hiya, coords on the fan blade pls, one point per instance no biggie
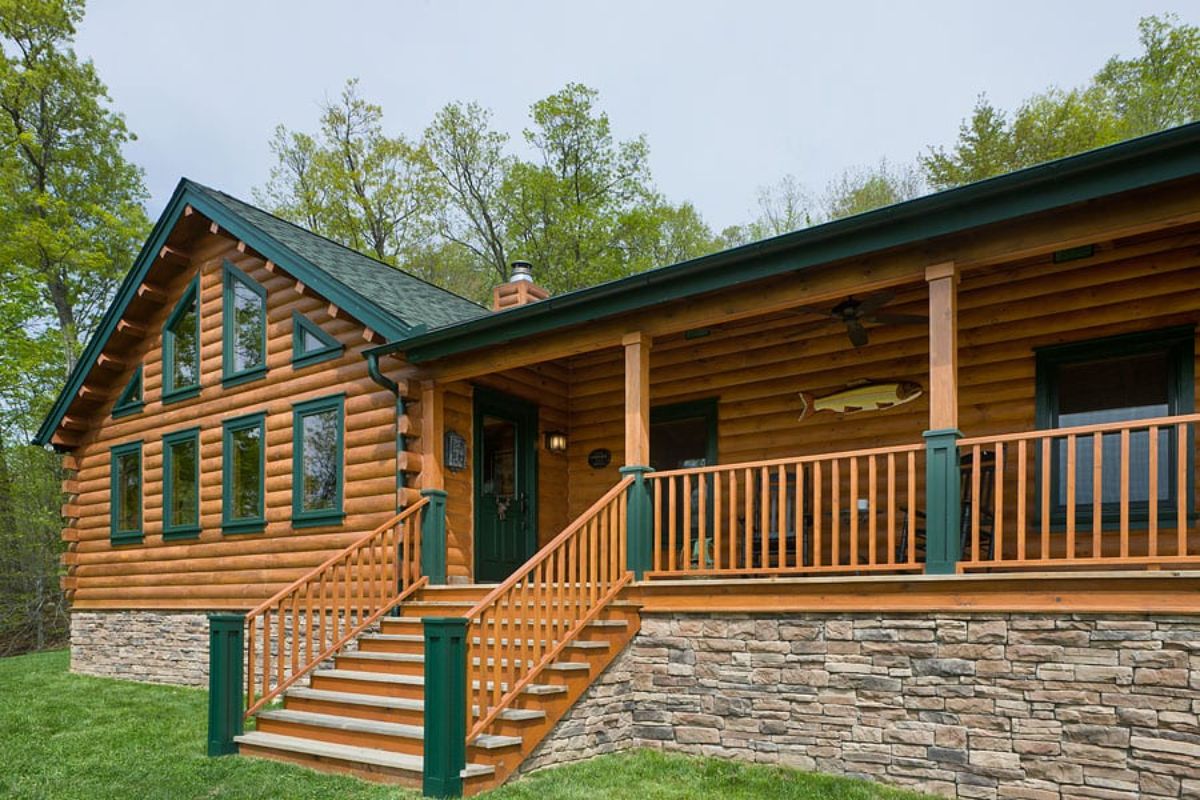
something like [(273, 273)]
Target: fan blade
[(822, 312), (898, 319), (875, 301), (858, 334)]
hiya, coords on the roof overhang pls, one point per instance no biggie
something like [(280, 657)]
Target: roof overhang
[(1135, 164)]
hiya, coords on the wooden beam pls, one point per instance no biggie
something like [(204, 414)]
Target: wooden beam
[(90, 394), (152, 293), (637, 399), (127, 328), (372, 336), (241, 246), (432, 405), (173, 256), (270, 266), (188, 210), (333, 310), (108, 362), (74, 423), (63, 438), (943, 346)]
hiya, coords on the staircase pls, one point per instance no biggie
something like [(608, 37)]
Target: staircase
[(366, 715)]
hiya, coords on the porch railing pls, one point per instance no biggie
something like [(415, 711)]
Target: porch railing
[(848, 512), (522, 625), (308, 621), (1111, 494)]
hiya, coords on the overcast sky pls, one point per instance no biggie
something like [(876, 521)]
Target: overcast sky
[(730, 95)]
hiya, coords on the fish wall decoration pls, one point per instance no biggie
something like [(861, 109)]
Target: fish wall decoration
[(861, 396)]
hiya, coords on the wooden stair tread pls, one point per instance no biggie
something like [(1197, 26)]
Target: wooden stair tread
[(383, 701), (360, 675), (348, 753), (355, 724), (411, 658)]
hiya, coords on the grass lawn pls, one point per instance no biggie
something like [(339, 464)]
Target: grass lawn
[(66, 736)]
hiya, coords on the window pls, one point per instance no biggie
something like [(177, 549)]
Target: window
[(244, 316), (243, 464), (310, 344), (130, 401), (317, 462), (126, 497), (1117, 379), (181, 484), (181, 347), (684, 435)]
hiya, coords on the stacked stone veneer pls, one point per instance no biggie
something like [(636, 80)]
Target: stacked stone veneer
[(152, 646), (973, 706)]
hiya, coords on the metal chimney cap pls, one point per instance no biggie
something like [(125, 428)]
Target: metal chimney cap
[(522, 271)]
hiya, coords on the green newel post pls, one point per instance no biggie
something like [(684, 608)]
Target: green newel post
[(225, 654), (942, 486), (433, 537), (640, 522), (445, 706)]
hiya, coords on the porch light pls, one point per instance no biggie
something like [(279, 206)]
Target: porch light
[(556, 441)]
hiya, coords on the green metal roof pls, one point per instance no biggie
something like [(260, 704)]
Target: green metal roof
[(1129, 165), (392, 302)]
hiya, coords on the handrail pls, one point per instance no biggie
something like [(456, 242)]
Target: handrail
[(544, 605), (1079, 430), (329, 605)]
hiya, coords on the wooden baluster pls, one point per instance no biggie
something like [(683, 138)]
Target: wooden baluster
[(671, 525), (414, 536), (748, 545), (976, 475), (1152, 528), (1047, 468), (891, 509), (1181, 484), (658, 518), (1097, 495), (603, 523), (718, 521), (853, 511), (280, 655), (733, 526), (1125, 493), (594, 563), (686, 502), (1022, 492), (251, 626), (998, 504), (816, 504), (623, 516), (911, 482), (1071, 495), (799, 531), (781, 538), (294, 639), (872, 510), (835, 511), (702, 512), (764, 517)]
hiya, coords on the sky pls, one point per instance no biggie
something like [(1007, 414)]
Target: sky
[(731, 96)]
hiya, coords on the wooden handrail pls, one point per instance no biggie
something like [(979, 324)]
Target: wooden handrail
[(330, 605), (1079, 430), (775, 462), (521, 626)]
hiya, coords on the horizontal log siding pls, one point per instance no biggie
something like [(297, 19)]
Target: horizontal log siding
[(218, 571)]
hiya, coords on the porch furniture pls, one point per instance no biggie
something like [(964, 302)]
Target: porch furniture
[(987, 511)]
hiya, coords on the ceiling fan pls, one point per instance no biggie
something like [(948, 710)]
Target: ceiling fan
[(853, 313)]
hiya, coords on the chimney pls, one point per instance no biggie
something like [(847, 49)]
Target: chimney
[(519, 290)]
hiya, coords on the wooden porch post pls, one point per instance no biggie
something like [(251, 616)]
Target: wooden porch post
[(942, 529), (433, 524), (637, 452)]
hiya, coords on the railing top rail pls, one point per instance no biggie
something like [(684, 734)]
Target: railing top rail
[(1082, 430), (778, 462), (333, 559), (549, 548)]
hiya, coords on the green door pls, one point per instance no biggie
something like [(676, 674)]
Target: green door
[(505, 484)]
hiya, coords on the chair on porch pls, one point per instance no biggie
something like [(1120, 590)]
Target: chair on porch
[(987, 512)]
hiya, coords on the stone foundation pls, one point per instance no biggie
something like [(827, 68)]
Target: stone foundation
[(970, 706), (151, 646)]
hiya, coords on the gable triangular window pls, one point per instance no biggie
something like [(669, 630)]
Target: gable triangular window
[(130, 401), (181, 347), (311, 344)]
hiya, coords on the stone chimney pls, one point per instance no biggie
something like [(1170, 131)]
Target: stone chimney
[(519, 290)]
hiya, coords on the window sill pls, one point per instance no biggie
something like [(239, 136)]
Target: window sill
[(317, 520), (125, 538), (243, 526), (127, 411), (243, 377), (177, 395), (316, 357), (176, 534)]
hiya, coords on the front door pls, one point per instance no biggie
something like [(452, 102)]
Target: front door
[(505, 484)]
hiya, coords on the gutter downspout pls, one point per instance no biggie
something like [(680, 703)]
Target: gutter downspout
[(401, 444)]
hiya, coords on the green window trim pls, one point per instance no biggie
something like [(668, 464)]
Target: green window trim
[(117, 534), (1179, 344), (170, 392), (131, 399), (306, 356), (172, 530), (254, 523), (232, 277), (335, 513)]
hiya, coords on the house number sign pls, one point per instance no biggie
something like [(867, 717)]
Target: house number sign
[(456, 451), (599, 458)]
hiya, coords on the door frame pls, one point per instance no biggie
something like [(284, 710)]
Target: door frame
[(492, 402)]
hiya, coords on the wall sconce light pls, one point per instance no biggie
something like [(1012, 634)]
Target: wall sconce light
[(556, 441)]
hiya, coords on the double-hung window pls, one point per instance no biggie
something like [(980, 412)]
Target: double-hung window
[(1118, 379), (126, 493), (243, 464), (181, 484), (244, 315), (317, 461), (181, 347)]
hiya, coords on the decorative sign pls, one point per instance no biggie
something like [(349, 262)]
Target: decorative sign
[(456, 451), (599, 458)]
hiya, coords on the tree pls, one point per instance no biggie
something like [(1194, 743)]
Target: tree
[(858, 190)]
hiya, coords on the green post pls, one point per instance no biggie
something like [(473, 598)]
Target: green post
[(433, 537), (640, 524), (225, 654), (942, 486), (445, 706)]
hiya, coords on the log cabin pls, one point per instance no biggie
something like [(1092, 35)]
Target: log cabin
[(909, 495)]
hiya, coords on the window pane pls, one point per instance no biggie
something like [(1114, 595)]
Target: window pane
[(499, 457), (246, 481), (679, 444), (184, 480), (321, 460), (247, 328), (309, 342), (129, 491), (185, 366)]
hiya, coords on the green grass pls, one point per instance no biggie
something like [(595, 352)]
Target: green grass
[(69, 736)]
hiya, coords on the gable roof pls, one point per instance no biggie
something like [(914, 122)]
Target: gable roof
[(390, 301), (1134, 164)]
